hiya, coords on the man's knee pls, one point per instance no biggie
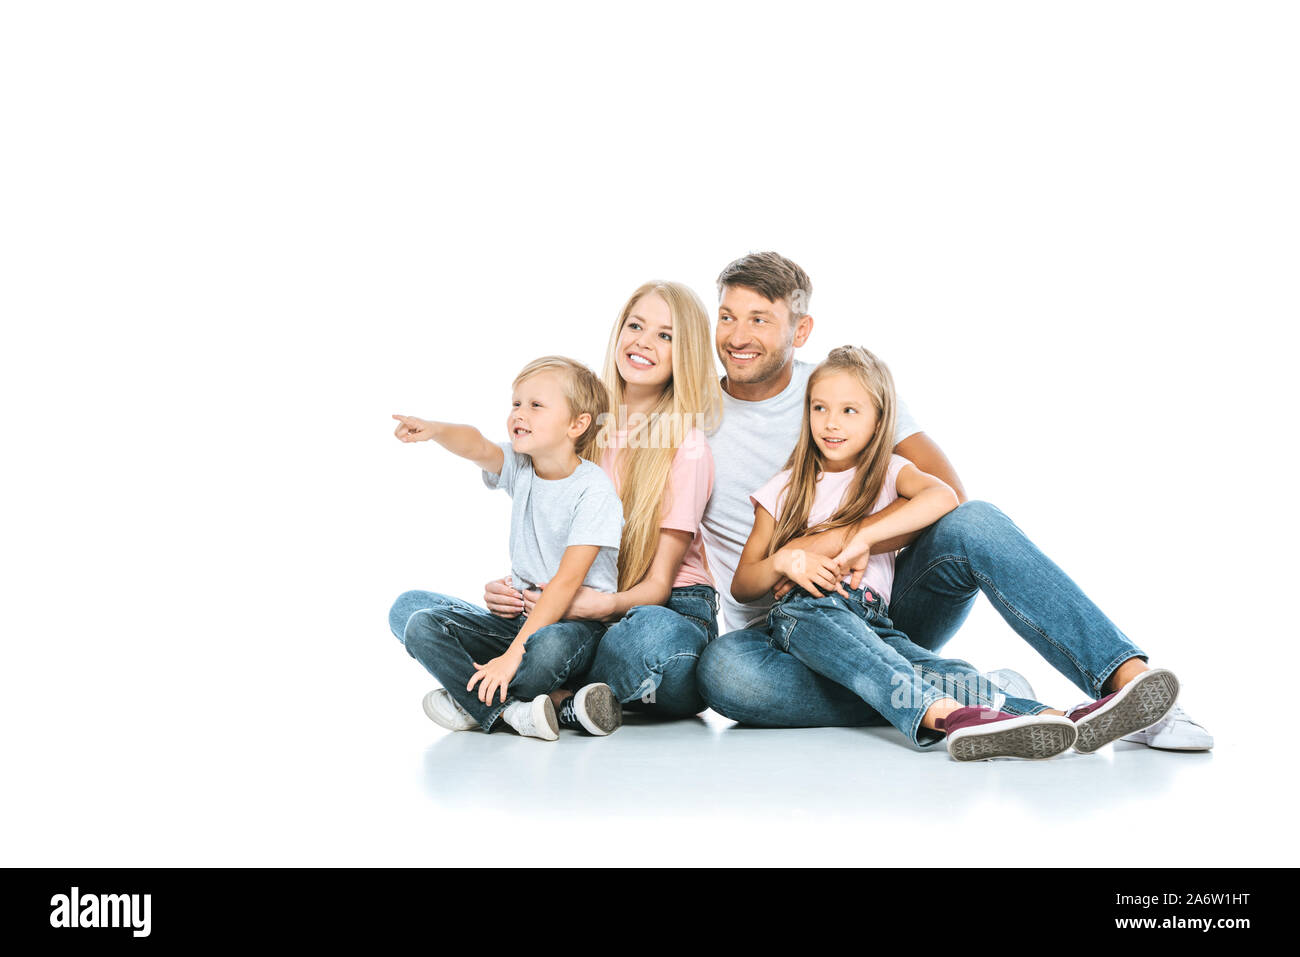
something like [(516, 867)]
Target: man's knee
[(725, 674), (969, 526)]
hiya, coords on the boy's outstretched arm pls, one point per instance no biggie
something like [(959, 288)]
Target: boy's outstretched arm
[(463, 440), (496, 675)]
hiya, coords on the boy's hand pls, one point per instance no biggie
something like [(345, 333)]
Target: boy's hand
[(855, 556), (496, 675), (411, 429), (501, 598), (809, 570)]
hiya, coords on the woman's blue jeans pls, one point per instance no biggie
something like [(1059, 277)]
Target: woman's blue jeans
[(649, 656), (973, 549), (852, 642), (448, 635)]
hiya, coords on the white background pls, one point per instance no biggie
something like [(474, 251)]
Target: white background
[(237, 236)]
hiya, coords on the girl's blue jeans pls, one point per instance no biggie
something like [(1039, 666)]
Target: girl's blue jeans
[(937, 579), (852, 642)]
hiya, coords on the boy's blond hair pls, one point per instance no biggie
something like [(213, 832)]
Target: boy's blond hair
[(584, 392)]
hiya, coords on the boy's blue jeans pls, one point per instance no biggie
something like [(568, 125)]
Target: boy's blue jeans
[(852, 642), (447, 635), (649, 657), (937, 578)]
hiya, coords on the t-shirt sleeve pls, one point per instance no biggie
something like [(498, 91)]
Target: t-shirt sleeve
[(889, 491), (510, 467), (690, 483), (597, 514), (904, 423), (768, 495)]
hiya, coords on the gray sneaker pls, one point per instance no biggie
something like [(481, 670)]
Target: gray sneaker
[(593, 709), (1012, 683)]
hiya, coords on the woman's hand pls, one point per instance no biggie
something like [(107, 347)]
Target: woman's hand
[(588, 604), (809, 570), (501, 598), (411, 429), (496, 675)]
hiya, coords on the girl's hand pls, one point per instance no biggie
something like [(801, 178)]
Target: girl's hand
[(496, 675), (809, 570), (854, 558), (411, 429)]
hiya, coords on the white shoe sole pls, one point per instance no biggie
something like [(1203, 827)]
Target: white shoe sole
[(1138, 705), (597, 710), (433, 714), (1032, 737), (545, 723)]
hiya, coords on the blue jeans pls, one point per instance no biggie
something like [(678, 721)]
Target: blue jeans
[(936, 581), (853, 642), (448, 635), (649, 656)]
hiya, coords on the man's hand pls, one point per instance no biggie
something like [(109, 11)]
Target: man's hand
[(502, 600), (411, 429), (809, 570), (855, 556), (496, 675), (781, 587)]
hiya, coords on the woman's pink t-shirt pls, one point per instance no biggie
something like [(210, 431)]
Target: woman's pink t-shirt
[(831, 487), (690, 483)]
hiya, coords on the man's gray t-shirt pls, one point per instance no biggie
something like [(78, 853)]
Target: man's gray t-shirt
[(549, 515), (751, 445)]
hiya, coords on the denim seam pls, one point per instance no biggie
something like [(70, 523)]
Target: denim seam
[(1002, 599), (1114, 664)]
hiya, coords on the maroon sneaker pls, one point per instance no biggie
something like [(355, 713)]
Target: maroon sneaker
[(1139, 704), (975, 734)]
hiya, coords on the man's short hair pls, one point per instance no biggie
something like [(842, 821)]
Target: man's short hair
[(772, 276)]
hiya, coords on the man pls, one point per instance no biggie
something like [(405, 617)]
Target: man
[(762, 318)]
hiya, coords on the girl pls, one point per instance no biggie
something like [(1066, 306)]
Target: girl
[(664, 396), (841, 471)]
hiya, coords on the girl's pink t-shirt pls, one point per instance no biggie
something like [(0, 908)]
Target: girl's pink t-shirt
[(831, 487), (690, 483)]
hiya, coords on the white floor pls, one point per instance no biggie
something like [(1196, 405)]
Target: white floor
[(348, 776)]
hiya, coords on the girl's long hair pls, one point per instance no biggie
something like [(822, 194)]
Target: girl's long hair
[(807, 461), (692, 398)]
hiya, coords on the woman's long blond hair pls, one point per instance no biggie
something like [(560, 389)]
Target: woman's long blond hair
[(807, 462), (692, 398)]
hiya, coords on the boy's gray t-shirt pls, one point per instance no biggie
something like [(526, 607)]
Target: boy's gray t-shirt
[(547, 516), (751, 445)]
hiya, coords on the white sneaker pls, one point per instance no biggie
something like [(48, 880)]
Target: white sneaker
[(534, 719), (1012, 683), (1176, 732), (442, 709)]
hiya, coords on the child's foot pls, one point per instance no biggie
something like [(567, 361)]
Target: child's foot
[(442, 709), (533, 719), (593, 709), (1139, 704), (976, 734)]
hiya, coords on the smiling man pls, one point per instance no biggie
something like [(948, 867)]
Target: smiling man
[(762, 319)]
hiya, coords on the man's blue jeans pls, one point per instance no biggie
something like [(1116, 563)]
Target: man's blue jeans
[(852, 642), (448, 635), (974, 548), (649, 656)]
